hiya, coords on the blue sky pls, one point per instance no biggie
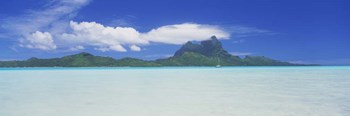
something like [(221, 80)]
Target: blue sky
[(302, 31)]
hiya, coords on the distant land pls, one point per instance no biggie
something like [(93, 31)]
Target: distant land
[(206, 53)]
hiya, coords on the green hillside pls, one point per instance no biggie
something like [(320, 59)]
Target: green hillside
[(206, 53)]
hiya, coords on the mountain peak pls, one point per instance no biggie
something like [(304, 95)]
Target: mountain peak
[(33, 58), (209, 48), (214, 37), (84, 54)]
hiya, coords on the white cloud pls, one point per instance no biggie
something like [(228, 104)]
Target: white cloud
[(181, 33), (102, 37), (39, 40), (105, 38), (135, 48), (117, 48), (53, 18), (48, 18), (53, 23)]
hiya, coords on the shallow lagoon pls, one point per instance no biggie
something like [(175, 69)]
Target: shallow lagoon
[(175, 91)]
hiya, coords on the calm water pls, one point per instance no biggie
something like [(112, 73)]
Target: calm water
[(234, 91)]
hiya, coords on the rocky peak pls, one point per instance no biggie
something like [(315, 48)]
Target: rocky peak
[(213, 42), (209, 48)]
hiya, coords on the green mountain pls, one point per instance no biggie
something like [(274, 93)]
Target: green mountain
[(133, 62), (211, 53), (209, 48), (206, 53), (78, 60)]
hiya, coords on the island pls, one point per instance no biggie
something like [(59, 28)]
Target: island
[(206, 53)]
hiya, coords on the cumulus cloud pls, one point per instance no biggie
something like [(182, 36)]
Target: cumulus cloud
[(102, 37), (38, 40), (106, 38), (181, 33), (117, 48), (135, 48), (50, 27)]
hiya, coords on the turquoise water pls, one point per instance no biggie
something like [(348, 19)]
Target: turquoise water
[(175, 91)]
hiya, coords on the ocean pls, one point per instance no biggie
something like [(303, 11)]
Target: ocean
[(176, 91)]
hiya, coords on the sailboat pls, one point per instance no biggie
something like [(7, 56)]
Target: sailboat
[(218, 65)]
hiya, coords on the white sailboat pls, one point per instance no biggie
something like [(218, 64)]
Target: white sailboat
[(218, 65)]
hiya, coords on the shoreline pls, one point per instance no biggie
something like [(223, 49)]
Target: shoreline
[(164, 67)]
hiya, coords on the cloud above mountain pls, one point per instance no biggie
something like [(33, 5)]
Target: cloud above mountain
[(105, 38), (182, 33), (53, 28)]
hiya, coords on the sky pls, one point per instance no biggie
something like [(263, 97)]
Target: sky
[(297, 31)]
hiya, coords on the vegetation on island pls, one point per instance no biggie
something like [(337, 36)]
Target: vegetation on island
[(206, 53)]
